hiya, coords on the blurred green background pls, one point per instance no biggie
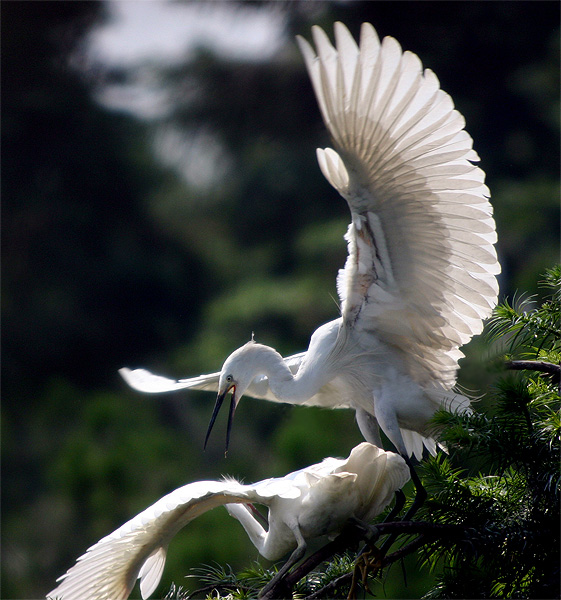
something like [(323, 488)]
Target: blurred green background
[(164, 238)]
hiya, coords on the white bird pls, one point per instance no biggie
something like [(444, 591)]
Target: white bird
[(420, 276), (303, 505)]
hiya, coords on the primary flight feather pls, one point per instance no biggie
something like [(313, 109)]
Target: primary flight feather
[(420, 276)]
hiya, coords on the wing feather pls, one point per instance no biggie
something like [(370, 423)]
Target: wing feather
[(151, 571), (421, 270), (109, 569), (143, 380)]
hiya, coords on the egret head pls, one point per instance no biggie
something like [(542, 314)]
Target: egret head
[(237, 373)]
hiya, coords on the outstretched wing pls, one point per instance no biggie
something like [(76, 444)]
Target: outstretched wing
[(137, 550), (144, 381), (420, 273)]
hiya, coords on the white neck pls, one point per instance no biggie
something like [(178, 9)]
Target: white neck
[(285, 386)]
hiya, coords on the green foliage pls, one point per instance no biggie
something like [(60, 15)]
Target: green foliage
[(222, 583), (526, 330), (217, 579), (510, 506)]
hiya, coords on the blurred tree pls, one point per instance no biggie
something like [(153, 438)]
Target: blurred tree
[(486, 55), (82, 263), (88, 277)]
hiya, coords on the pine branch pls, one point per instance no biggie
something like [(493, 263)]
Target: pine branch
[(536, 365)]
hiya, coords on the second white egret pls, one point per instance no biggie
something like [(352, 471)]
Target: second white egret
[(303, 505)]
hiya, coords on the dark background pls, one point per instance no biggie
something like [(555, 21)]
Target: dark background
[(111, 258)]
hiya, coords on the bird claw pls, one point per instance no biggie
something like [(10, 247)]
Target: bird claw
[(368, 562)]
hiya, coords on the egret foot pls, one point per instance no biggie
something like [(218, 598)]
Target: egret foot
[(369, 562), (282, 583)]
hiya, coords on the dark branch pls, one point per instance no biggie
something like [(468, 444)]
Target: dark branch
[(413, 527), (536, 365), (405, 550), (350, 537)]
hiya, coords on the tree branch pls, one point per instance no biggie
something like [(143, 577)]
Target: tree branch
[(349, 537), (536, 365), (419, 527)]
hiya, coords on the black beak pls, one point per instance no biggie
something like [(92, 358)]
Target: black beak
[(218, 404)]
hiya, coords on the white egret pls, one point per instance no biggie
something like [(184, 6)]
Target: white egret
[(303, 505), (420, 276)]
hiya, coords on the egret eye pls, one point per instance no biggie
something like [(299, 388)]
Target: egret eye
[(229, 379)]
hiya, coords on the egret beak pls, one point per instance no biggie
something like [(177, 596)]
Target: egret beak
[(218, 404)]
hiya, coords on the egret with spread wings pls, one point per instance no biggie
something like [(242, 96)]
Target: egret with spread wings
[(420, 276), (306, 504)]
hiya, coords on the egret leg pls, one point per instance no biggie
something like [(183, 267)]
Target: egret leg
[(387, 418), (420, 497), (271, 590), (420, 492), (368, 426), (399, 503)]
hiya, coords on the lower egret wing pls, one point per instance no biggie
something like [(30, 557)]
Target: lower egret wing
[(137, 550)]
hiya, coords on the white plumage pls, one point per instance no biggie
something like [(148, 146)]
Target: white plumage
[(420, 276), (309, 503)]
